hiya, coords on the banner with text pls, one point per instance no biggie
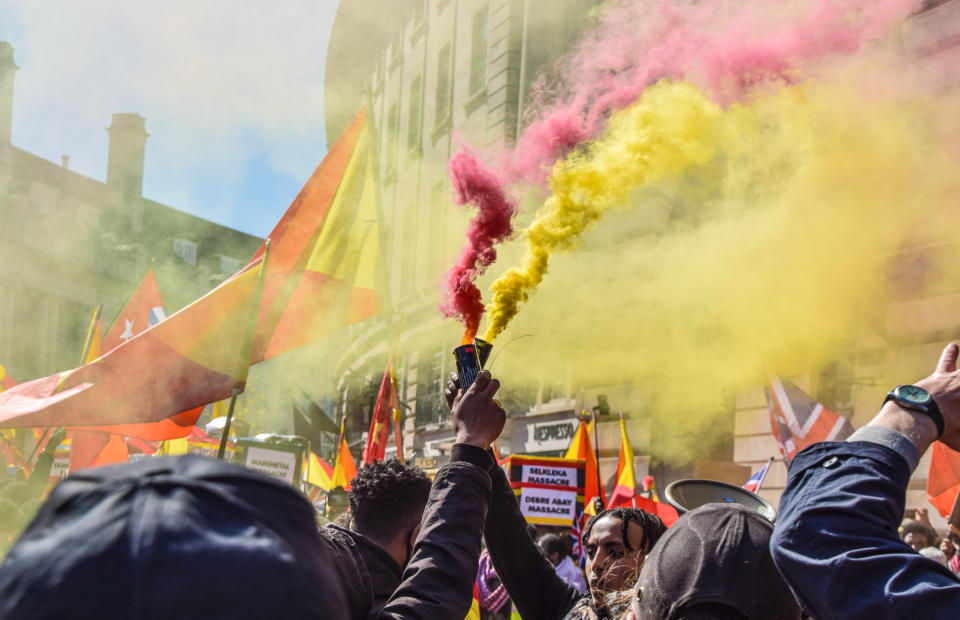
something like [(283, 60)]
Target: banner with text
[(550, 490)]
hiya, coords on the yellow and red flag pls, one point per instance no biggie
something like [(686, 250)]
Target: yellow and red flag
[(319, 472), (197, 356), (325, 251), (474, 611), (344, 469), (582, 448), (380, 420), (625, 492)]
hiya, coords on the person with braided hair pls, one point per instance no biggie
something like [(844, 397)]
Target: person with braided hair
[(617, 542)]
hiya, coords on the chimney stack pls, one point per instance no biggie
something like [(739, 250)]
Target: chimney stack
[(8, 71), (128, 137), (65, 160)]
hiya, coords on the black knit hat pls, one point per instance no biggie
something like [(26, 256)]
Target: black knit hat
[(714, 562), (177, 537)]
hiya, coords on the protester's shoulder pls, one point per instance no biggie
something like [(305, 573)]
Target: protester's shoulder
[(583, 609), (339, 536)]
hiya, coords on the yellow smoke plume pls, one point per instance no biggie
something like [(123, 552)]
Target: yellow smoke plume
[(784, 216)]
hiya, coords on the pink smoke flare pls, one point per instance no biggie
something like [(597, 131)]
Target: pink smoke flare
[(474, 184)]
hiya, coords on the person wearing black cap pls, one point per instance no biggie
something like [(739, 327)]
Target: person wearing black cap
[(188, 537), (715, 563), (178, 537), (836, 541)]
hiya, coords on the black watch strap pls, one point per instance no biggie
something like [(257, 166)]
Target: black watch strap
[(930, 409)]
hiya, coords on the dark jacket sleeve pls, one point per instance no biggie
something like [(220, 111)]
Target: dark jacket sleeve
[(438, 580), (836, 541), (533, 584)]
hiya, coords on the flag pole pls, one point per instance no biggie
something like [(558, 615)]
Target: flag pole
[(226, 425), (764, 475), (596, 451), (88, 341)]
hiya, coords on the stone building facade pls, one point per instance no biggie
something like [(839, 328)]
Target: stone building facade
[(439, 69)]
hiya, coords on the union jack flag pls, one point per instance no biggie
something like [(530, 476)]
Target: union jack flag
[(576, 532), (799, 421), (753, 484)]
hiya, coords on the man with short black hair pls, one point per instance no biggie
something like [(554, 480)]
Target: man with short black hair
[(386, 504)]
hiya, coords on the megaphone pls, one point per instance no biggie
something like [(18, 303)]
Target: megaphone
[(685, 495)]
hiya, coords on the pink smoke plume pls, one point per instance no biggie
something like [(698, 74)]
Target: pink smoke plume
[(727, 47), (476, 185)]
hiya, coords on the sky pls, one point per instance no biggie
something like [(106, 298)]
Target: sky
[(232, 93)]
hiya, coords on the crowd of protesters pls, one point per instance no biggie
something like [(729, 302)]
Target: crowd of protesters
[(188, 537)]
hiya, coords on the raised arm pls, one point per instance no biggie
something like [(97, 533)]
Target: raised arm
[(533, 584), (530, 580), (438, 581), (836, 540)]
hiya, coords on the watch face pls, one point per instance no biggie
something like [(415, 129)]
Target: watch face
[(913, 394)]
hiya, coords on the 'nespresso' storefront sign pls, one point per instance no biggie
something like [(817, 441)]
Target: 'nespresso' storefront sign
[(550, 435)]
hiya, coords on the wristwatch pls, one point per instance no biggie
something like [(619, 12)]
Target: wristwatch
[(917, 399)]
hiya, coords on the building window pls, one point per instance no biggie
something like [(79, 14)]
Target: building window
[(229, 265), (431, 407), (89, 215), (187, 250), (44, 197), (478, 51), (443, 84), (439, 205), (393, 136), (413, 126)]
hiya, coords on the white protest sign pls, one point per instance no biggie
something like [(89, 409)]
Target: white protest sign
[(552, 476), (548, 507), (550, 489), (276, 463)]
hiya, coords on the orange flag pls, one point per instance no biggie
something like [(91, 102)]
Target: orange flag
[(667, 513), (581, 448), (325, 251), (344, 469), (943, 478), (380, 420), (142, 311), (6, 381), (89, 448), (197, 356)]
